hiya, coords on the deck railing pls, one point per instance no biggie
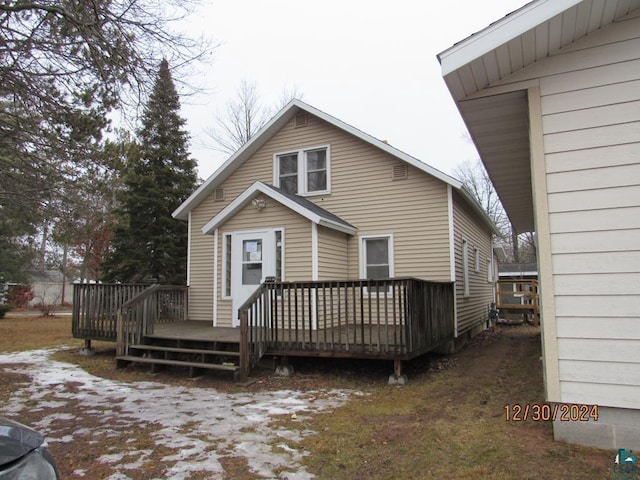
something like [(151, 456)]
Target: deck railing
[(138, 316), (519, 296), (391, 318), (96, 306)]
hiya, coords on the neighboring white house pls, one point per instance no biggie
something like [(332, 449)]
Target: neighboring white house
[(551, 96)]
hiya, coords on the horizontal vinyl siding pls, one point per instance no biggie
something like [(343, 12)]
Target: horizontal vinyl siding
[(332, 255), (363, 193), (473, 310), (591, 125), (200, 274)]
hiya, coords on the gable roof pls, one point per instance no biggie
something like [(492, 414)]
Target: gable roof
[(499, 124), (300, 205), (280, 120)]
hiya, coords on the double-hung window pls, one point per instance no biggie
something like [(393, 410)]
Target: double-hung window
[(376, 257), (303, 172)]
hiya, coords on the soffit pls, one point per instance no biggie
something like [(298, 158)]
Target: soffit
[(499, 124), (500, 130), (524, 37)]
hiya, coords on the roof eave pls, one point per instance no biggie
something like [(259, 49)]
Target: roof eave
[(258, 187), (511, 26), (235, 160), (261, 137)]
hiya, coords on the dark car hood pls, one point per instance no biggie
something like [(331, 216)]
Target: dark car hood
[(16, 440)]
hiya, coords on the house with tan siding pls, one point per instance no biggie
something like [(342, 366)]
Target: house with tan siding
[(551, 97), (311, 198)]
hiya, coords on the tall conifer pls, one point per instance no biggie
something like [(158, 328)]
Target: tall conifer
[(149, 244)]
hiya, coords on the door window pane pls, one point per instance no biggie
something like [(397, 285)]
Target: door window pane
[(251, 262)]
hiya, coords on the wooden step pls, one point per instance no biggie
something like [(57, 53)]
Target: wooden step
[(178, 363), (155, 348)]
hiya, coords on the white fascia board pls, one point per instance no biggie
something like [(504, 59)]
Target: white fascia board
[(244, 198), (265, 133), (380, 144), (325, 222), (479, 210), (244, 152), (501, 32), (230, 209)]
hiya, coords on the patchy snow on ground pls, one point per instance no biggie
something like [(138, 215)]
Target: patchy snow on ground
[(198, 425)]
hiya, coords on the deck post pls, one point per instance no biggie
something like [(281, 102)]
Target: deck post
[(397, 378), (244, 345), (87, 351)]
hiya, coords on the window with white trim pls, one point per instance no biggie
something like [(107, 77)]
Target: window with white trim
[(465, 267), (303, 172), (476, 255), (226, 272), (376, 253)]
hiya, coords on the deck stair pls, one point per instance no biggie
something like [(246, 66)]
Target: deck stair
[(196, 355)]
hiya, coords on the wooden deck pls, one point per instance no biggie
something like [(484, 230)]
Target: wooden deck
[(327, 342), (197, 331), (396, 319)]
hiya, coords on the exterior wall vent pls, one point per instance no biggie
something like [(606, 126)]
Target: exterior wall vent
[(218, 194), (301, 120), (400, 172)]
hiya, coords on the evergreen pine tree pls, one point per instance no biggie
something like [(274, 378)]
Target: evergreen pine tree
[(149, 244)]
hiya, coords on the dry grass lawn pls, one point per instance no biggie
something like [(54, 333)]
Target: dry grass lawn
[(447, 422)]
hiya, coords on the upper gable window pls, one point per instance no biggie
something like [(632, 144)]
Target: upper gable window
[(303, 172)]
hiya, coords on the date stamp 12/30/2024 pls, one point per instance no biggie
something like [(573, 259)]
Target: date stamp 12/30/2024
[(544, 412)]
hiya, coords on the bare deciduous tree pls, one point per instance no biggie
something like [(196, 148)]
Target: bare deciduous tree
[(64, 64), (477, 182), (244, 115)]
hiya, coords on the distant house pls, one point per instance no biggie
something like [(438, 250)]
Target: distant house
[(551, 96), (517, 271), (313, 198), (49, 287)]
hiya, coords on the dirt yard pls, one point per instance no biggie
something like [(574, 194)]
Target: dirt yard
[(331, 420)]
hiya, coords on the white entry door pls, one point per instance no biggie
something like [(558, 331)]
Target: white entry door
[(253, 257)]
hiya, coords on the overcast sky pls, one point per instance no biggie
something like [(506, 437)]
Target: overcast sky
[(372, 64)]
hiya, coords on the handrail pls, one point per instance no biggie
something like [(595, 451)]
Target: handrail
[(388, 318), (95, 308), (138, 316), (141, 296)]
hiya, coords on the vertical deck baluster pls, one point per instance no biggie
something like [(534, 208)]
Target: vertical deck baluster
[(324, 315), (295, 304), (312, 311), (338, 290), (362, 290)]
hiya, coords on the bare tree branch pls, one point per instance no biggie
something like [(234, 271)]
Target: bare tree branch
[(244, 115)]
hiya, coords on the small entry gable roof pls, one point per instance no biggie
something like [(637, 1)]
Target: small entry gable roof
[(300, 205)]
